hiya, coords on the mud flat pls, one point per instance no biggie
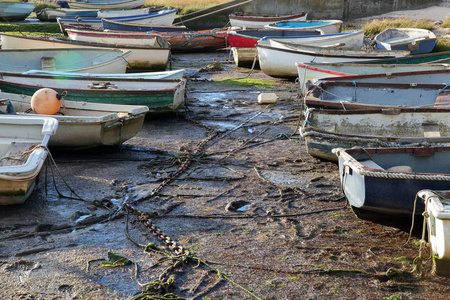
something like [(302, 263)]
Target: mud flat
[(228, 180)]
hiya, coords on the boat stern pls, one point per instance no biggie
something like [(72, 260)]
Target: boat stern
[(437, 214)]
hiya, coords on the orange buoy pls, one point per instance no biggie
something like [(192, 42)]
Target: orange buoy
[(46, 101)]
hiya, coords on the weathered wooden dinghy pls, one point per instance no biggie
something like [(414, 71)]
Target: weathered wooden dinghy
[(326, 129), (366, 95)]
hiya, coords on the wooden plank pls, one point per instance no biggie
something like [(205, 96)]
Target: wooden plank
[(16, 149)]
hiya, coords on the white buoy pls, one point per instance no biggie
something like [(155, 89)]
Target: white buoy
[(265, 98)]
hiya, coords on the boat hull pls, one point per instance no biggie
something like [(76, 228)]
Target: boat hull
[(411, 39), (159, 96), (149, 58), (314, 71), (15, 11), (364, 95), (120, 4), (326, 129), (369, 185), (281, 62), (161, 18), (249, 21), (326, 26), (64, 60), (245, 57), (87, 125), (437, 208), (116, 38), (249, 38), (20, 136), (124, 26)]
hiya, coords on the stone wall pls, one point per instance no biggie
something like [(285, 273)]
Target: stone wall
[(217, 17), (332, 9)]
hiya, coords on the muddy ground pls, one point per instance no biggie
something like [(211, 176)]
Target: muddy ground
[(228, 180)]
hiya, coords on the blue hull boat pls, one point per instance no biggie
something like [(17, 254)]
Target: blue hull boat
[(386, 180), (415, 40)]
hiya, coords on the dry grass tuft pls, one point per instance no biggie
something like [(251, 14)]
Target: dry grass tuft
[(185, 6), (378, 25), (446, 23)]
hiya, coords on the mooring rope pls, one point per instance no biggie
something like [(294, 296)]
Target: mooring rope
[(359, 168)]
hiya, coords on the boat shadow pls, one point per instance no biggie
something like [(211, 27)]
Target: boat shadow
[(402, 223)]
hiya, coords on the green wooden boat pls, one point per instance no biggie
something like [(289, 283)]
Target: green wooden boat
[(160, 95), (435, 58)]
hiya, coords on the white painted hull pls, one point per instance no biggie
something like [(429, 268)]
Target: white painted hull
[(245, 57), (440, 76), (130, 39), (280, 62), (348, 40), (175, 74), (165, 19), (326, 26), (140, 58), (18, 178), (127, 4), (254, 23), (111, 13), (64, 60), (88, 125), (51, 14), (437, 206)]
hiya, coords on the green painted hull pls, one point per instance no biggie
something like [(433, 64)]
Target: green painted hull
[(436, 57), (157, 102)]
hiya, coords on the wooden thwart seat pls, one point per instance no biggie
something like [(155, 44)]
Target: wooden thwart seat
[(13, 157)]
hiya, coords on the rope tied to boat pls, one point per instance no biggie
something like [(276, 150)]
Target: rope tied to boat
[(359, 168), (307, 131), (25, 153)]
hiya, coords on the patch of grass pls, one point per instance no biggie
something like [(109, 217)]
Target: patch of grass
[(30, 29), (442, 45), (41, 5), (401, 259), (246, 82), (393, 297), (446, 23), (185, 6), (338, 215), (378, 25)]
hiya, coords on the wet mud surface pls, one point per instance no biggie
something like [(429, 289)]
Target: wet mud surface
[(228, 180)]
